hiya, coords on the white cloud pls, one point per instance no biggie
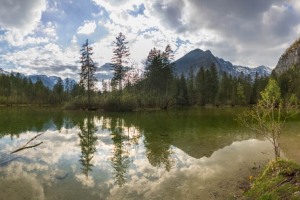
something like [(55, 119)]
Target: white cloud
[(16, 38), (21, 15), (87, 28), (50, 59), (49, 30)]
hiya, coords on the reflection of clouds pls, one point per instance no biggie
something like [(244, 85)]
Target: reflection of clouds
[(188, 178), (18, 184), (208, 178), (86, 181)]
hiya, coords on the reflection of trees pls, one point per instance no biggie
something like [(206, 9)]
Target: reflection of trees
[(16, 121), (87, 143), (158, 150), (120, 159), (159, 129), (124, 136)]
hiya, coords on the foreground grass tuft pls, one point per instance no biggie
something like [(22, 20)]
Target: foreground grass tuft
[(280, 180)]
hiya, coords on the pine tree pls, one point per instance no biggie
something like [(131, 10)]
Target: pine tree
[(159, 75), (88, 141), (201, 86), (58, 91), (88, 70), (119, 60)]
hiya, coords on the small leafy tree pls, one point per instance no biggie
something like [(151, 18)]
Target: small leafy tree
[(88, 70), (119, 60), (269, 115)]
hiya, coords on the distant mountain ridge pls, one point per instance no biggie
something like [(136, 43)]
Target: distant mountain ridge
[(48, 81), (198, 58)]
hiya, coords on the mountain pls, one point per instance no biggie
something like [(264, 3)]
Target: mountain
[(199, 58), (104, 72), (290, 58), (50, 81)]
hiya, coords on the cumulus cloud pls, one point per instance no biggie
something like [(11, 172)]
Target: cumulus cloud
[(87, 28), (255, 30), (249, 33), (16, 38), (49, 59), (22, 15)]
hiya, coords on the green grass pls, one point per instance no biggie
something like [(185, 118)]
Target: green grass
[(279, 180)]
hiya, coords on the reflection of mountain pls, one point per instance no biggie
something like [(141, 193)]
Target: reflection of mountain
[(197, 133), (87, 144)]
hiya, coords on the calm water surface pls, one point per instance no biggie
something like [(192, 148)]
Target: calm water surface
[(187, 154)]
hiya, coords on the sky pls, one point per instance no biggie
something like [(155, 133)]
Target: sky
[(45, 36)]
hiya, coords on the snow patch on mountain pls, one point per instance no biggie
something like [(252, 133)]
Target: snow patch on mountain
[(198, 58)]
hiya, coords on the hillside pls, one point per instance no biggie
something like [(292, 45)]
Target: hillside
[(290, 58)]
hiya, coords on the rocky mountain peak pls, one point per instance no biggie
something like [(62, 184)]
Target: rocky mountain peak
[(290, 58), (198, 58)]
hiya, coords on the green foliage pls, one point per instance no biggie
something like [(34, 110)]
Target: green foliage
[(88, 70), (279, 180), (289, 82), (268, 116), (119, 60), (88, 141)]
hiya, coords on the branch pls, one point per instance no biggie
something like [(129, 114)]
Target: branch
[(24, 147), (27, 147)]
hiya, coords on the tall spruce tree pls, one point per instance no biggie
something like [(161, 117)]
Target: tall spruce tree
[(119, 60), (88, 70)]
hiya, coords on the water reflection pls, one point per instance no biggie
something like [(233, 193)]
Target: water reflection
[(124, 139), (158, 150), (178, 155), (87, 143)]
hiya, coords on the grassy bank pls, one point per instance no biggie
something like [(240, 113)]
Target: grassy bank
[(279, 180)]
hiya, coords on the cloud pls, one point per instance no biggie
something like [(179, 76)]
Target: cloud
[(252, 28), (48, 59), (248, 33), (16, 38), (87, 28), (189, 181), (22, 15)]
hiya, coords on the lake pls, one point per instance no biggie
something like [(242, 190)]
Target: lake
[(199, 153)]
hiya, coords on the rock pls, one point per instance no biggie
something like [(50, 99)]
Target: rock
[(60, 174), (290, 58)]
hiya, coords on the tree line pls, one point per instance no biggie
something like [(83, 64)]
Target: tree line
[(16, 89), (157, 86)]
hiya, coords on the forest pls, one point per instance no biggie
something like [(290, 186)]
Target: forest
[(157, 87)]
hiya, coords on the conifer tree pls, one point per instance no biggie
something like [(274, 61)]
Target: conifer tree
[(88, 70), (119, 60)]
